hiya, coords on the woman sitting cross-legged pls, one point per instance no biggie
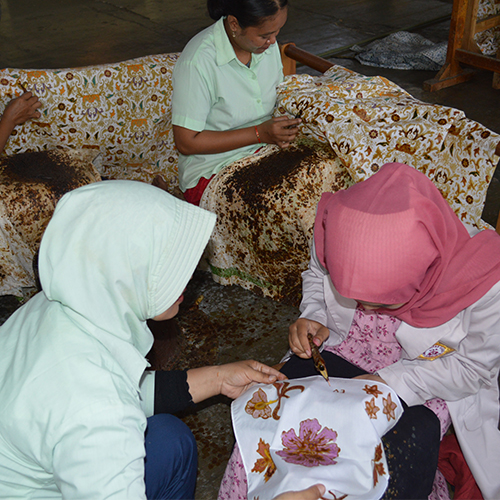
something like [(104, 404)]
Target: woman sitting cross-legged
[(399, 292), (81, 416)]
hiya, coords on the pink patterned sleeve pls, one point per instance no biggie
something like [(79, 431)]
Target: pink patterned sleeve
[(234, 482), (439, 407)]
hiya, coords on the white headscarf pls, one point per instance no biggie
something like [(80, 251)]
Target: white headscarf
[(117, 253)]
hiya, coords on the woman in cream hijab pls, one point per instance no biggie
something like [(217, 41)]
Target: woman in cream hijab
[(76, 393)]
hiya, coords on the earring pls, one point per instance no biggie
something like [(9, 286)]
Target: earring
[(234, 34)]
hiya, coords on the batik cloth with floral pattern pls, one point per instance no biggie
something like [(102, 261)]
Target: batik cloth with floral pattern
[(304, 431), (359, 123), (121, 111), (370, 121)]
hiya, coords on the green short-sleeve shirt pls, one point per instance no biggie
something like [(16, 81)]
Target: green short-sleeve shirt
[(213, 90)]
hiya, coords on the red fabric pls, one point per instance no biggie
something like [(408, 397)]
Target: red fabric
[(193, 195), (393, 239), (454, 468)]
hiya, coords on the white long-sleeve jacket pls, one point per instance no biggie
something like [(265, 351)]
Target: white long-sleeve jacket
[(465, 375)]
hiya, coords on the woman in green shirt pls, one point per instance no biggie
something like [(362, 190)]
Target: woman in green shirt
[(225, 91)]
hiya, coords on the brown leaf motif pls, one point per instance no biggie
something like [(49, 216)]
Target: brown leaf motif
[(378, 467), (373, 390), (283, 388), (266, 463), (335, 497), (372, 409), (389, 407)]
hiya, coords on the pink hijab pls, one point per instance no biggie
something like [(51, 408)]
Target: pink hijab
[(394, 239)]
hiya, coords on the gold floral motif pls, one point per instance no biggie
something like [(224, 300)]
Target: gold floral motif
[(266, 463)]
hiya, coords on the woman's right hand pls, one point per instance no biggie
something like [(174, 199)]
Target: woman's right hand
[(21, 109), (312, 493), (297, 336), (280, 130)]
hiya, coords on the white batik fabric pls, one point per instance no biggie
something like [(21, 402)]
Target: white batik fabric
[(296, 433)]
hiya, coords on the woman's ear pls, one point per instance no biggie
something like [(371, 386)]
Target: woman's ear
[(233, 24)]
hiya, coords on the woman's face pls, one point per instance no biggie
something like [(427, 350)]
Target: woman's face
[(171, 311), (257, 39), (370, 306)]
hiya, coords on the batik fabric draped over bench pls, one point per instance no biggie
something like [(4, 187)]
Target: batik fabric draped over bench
[(351, 126)]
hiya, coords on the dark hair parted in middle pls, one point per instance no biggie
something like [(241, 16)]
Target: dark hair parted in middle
[(247, 12)]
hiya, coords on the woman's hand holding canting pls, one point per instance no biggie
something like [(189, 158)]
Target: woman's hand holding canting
[(297, 336)]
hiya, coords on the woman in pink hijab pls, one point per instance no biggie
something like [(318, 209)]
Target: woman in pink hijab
[(398, 291)]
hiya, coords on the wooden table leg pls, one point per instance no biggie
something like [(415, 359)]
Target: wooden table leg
[(452, 73)]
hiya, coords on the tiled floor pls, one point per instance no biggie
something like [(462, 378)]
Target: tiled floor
[(68, 33)]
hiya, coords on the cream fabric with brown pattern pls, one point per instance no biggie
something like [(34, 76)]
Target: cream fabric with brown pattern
[(120, 110), (31, 184)]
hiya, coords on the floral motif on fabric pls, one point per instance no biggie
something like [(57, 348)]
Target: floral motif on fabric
[(389, 407), (121, 110), (373, 390), (371, 344), (259, 406), (372, 409), (370, 121), (266, 463), (234, 485), (312, 447), (378, 466)]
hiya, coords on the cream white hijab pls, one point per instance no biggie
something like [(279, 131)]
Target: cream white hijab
[(117, 253)]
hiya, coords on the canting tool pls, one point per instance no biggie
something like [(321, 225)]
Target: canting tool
[(319, 362)]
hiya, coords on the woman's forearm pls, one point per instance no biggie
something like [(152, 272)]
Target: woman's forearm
[(280, 130), (204, 382), (189, 142), (6, 129)]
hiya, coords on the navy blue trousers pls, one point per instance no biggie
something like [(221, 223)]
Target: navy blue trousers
[(171, 460)]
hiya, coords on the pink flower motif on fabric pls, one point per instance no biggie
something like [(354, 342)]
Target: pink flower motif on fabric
[(258, 406), (312, 447)]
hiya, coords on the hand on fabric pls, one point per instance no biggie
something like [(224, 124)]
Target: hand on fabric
[(18, 111), (231, 379), (312, 493), (297, 336), (280, 130), (22, 108), (373, 378)]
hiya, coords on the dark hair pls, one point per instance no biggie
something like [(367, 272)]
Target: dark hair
[(247, 12)]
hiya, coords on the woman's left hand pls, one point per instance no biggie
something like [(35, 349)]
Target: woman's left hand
[(237, 377)]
